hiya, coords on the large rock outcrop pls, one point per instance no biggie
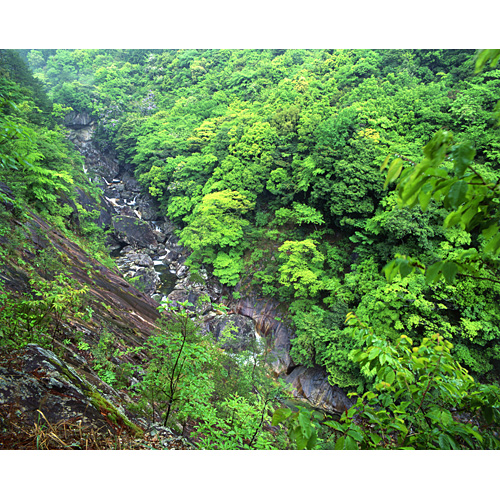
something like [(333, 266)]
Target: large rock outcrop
[(234, 331), (36, 386), (311, 384), (134, 231), (265, 314)]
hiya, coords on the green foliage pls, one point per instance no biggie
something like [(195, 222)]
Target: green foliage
[(302, 425), (422, 399), (176, 379), (216, 229), (188, 377), (38, 163), (268, 162), (38, 316), (241, 429), (321, 340), (471, 199), (10, 131), (302, 267), (300, 214), (102, 354)]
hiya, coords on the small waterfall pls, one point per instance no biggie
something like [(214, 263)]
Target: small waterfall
[(133, 202)]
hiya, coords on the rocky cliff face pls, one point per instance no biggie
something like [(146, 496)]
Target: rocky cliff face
[(39, 389)]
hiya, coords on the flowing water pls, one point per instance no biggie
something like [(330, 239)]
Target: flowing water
[(167, 277)]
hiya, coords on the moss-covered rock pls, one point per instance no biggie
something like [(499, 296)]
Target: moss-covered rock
[(36, 384)]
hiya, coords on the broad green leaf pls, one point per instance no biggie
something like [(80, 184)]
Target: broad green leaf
[(300, 440), (394, 171), (389, 376), (384, 165), (463, 155), (334, 425), (446, 417), (339, 444), (452, 219), (444, 442), (350, 444), (432, 272), (484, 56), (469, 213), (434, 414), (409, 196), (474, 433), (456, 194), (405, 269), (450, 270), (280, 415), (397, 424), (437, 147), (490, 231), (311, 443), (305, 424), (424, 197), (357, 436), (390, 270), (493, 245)]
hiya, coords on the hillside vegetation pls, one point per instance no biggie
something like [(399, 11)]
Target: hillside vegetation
[(269, 163)]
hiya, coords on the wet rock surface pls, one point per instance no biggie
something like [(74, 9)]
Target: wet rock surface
[(38, 381), (103, 207), (46, 404), (117, 303), (134, 231), (266, 315), (236, 332), (312, 385)]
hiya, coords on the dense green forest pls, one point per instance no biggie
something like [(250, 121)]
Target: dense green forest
[(269, 164)]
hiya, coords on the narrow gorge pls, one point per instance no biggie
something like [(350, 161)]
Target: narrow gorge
[(148, 254)]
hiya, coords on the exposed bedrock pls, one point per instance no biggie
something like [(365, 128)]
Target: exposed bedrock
[(309, 384), (264, 312), (42, 388), (235, 331), (312, 384)]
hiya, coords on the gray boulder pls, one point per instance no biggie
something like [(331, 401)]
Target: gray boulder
[(147, 207), (133, 259), (145, 279), (131, 183), (77, 120), (133, 231), (236, 332), (311, 385)]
